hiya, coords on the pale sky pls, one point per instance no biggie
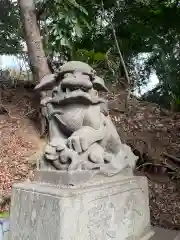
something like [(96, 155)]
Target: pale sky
[(8, 61), (153, 80)]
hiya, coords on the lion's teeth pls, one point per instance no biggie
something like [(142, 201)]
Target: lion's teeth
[(67, 90)]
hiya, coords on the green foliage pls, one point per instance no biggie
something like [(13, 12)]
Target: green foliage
[(9, 28), (63, 23), (106, 64), (152, 27), (82, 30), (4, 214)]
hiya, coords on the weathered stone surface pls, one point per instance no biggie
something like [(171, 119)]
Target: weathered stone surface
[(81, 133), (101, 210), (80, 178)]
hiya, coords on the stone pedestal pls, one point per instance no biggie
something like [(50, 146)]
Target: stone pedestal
[(100, 209)]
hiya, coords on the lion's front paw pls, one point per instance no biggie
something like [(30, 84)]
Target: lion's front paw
[(70, 158), (77, 143)]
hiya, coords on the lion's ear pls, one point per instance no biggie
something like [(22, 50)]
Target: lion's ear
[(46, 83), (98, 84)]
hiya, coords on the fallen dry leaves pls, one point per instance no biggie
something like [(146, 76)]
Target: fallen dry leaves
[(19, 139)]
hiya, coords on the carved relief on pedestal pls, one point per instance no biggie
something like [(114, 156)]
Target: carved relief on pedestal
[(118, 213)]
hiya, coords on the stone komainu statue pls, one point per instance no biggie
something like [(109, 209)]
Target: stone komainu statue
[(81, 133)]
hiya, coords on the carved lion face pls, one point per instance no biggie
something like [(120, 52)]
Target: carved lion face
[(76, 81), (76, 87)]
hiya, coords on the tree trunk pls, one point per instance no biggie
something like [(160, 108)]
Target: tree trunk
[(127, 84), (36, 54), (37, 58)]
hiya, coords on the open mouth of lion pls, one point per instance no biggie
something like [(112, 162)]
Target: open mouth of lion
[(69, 89), (77, 94)]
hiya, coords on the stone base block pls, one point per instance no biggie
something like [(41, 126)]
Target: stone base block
[(114, 208)]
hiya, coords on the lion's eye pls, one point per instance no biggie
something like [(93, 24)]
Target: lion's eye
[(66, 75), (89, 76)]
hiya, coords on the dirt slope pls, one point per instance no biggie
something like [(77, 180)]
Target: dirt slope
[(19, 139)]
